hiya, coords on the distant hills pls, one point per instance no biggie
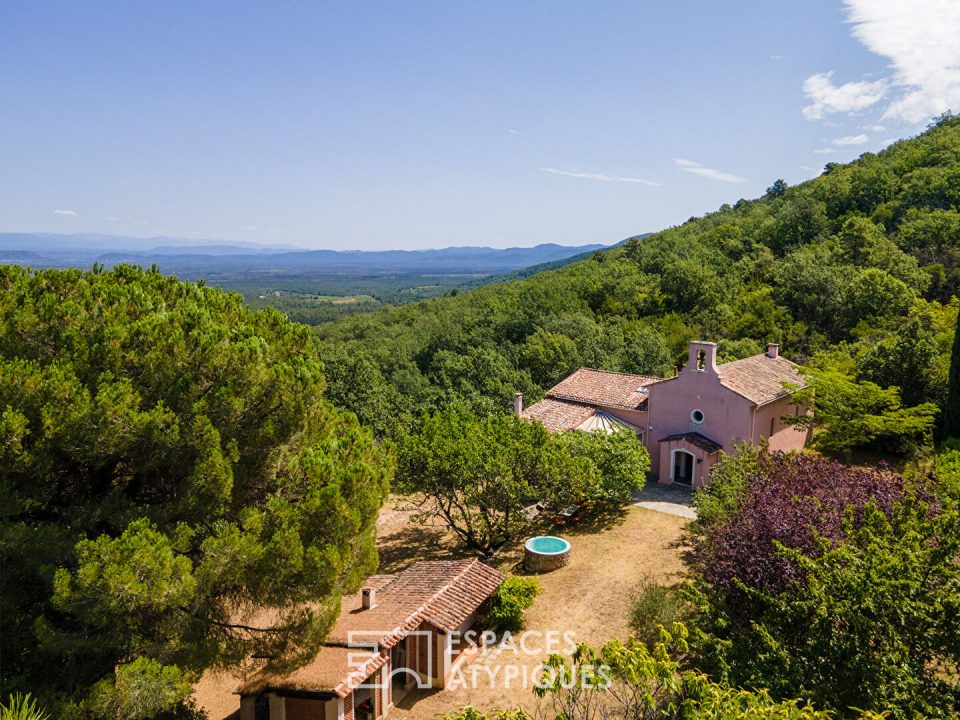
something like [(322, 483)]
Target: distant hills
[(212, 259)]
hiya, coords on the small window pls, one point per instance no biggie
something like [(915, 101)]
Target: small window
[(701, 360), (697, 416)]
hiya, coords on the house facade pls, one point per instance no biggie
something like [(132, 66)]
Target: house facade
[(398, 633), (688, 420)]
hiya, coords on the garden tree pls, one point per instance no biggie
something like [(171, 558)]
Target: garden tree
[(849, 414), (832, 584), (620, 459), (475, 473), (951, 408), (169, 468)]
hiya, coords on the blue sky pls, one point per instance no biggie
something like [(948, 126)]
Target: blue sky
[(425, 124)]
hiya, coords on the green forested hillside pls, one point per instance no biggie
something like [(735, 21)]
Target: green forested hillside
[(857, 270)]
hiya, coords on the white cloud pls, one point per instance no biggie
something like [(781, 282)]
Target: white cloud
[(824, 151), (778, 57), (851, 140), (874, 128), (112, 218), (850, 97), (68, 213), (697, 169), (920, 38), (601, 177), (513, 132), (250, 227)]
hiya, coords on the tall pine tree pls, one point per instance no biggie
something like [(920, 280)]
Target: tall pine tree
[(951, 412)]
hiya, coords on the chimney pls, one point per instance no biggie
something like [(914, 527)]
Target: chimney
[(773, 350), (702, 357), (518, 404), (368, 598)]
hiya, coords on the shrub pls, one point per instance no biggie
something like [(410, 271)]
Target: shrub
[(652, 606), (22, 707), (833, 584), (514, 596), (468, 713), (791, 500)]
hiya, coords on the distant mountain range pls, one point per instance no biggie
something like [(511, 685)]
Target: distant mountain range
[(211, 258)]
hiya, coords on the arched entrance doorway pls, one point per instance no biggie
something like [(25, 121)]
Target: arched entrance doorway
[(682, 464)]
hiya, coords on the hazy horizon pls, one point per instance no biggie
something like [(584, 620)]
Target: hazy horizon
[(429, 125)]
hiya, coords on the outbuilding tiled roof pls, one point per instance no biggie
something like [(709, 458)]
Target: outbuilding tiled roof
[(695, 439), (760, 378), (559, 415), (604, 388), (442, 593)]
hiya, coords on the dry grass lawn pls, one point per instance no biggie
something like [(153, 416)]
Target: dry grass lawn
[(590, 598)]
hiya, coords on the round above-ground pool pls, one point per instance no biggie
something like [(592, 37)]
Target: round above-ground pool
[(545, 553)]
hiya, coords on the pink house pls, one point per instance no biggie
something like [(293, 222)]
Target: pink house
[(687, 420)]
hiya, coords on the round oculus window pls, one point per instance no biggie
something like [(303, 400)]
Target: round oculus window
[(697, 416)]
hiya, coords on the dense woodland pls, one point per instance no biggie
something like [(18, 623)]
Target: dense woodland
[(855, 272), (170, 463)]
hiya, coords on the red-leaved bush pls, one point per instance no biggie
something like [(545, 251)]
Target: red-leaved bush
[(793, 499)]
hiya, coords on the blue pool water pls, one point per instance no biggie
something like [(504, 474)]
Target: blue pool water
[(547, 545)]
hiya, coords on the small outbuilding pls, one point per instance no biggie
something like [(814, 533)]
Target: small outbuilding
[(397, 633)]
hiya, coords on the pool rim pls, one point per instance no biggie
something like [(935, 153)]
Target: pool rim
[(566, 548)]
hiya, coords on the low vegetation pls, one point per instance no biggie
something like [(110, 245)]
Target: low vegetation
[(628, 680), (511, 600), (22, 707), (653, 607), (832, 584)]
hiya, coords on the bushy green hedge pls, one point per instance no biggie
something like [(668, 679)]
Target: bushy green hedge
[(514, 596)]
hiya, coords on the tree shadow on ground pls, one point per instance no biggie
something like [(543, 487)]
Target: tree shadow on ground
[(403, 547)]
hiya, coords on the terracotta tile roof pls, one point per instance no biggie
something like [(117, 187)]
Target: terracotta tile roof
[(695, 439), (441, 593), (559, 415), (604, 388), (335, 669), (760, 378)]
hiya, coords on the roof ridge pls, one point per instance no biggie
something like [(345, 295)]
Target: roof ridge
[(616, 372), (754, 357)]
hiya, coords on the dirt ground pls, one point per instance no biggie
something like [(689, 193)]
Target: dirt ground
[(588, 599)]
